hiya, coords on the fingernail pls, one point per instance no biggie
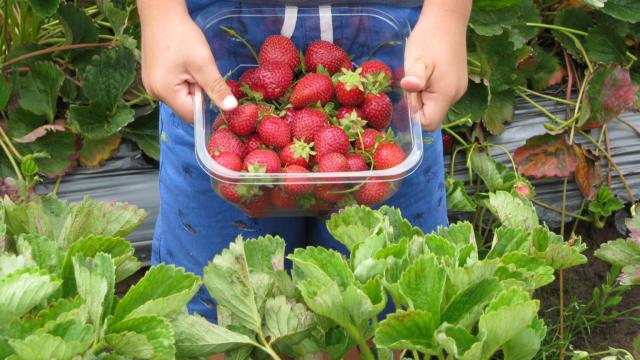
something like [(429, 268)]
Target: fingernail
[(229, 103), (412, 78)]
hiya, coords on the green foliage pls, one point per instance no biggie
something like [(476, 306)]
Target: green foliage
[(624, 254)]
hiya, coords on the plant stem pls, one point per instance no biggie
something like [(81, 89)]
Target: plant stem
[(537, 106), (56, 186), (559, 28), (415, 354), (53, 49), (234, 34), (452, 133), (15, 166), (4, 136), (575, 223), (630, 125), (559, 211), (457, 122), (561, 289), (570, 33), (548, 97), (632, 199)]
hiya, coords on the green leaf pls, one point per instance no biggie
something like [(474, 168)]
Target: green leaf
[(494, 20), (541, 68), (10, 263), (513, 211), (24, 290), (605, 46), (95, 121), (77, 335), (41, 250), (618, 26), (606, 203), (6, 88), (422, 284), (473, 103), (144, 132), (402, 228), (353, 225), (500, 111), (526, 344), (39, 88), (493, 174), (95, 280), (197, 337), (626, 10), (163, 291), (116, 12), (563, 256), (145, 337), (286, 320), (119, 249), (325, 299), (61, 148), (467, 302), (462, 236), (108, 76), (410, 330), (40, 347), (536, 270), (506, 240), (358, 306), (95, 152), (498, 67), (44, 8), (78, 27), (457, 197), (265, 254), (619, 252), (575, 19), (456, 340), (321, 264), (227, 279)]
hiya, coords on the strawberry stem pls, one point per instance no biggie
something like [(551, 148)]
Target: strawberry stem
[(234, 34), (375, 50)]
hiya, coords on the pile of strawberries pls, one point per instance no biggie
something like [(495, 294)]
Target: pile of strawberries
[(318, 114)]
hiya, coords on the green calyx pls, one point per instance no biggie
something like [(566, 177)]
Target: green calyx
[(302, 150), (248, 192), (352, 124), (378, 82), (351, 79), (306, 201), (256, 168)]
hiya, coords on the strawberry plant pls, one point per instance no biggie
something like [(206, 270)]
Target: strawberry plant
[(69, 89), (449, 299), (625, 254)]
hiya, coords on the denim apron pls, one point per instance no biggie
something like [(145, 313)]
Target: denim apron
[(195, 224)]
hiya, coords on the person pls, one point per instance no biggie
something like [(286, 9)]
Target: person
[(194, 223)]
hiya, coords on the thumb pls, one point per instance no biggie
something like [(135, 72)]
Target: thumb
[(206, 74), (417, 74)]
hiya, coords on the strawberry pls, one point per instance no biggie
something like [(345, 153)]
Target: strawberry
[(219, 122), (225, 140), (349, 88), (352, 123), (278, 48), (259, 205), (308, 122), (377, 110), (387, 156), (311, 89), (345, 111), (274, 131), (272, 80), (229, 192), (447, 143), (248, 76), (282, 200), (332, 57), (296, 153), (261, 161), (368, 140), (374, 67), (331, 139), (330, 192), (292, 186), (229, 160), (332, 162), (253, 142), (355, 162), (236, 89), (371, 193), (242, 120)]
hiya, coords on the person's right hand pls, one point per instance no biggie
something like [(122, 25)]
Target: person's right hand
[(176, 57)]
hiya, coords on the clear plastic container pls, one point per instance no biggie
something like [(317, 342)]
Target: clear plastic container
[(367, 30)]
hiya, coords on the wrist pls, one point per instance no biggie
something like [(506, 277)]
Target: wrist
[(160, 11), (450, 14)]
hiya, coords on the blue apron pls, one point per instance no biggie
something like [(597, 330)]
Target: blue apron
[(195, 224)]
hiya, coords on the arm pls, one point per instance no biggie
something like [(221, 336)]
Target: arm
[(436, 59), (176, 56)]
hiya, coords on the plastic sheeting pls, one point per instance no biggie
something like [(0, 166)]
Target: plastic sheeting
[(127, 177)]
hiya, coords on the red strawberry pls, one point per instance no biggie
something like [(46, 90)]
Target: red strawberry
[(259, 205), (308, 122), (292, 186), (296, 153), (274, 131), (349, 88), (368, 140), (310, 89), (282, 200), (225, 140), (374, 67), (229, 192), (279, 48), (236, 89), (355, 162), (261, 161), (242, 120), (272, 80), (290, 117), (253, 142), (447, 143), (248, 76), (330, 192), (332, 162), (371, 193), (219, 122), (332, 57), (345, 111), (377, 110), (331, 139), (352, 123), (229, 160), (387, 156)]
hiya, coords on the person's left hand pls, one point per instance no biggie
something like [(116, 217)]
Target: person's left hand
[(436, 62)]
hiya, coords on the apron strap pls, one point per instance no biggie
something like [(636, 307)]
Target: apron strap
[(290, 18), (326, 23)]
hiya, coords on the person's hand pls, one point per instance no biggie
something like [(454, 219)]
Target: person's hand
[(436, 60), (176, 57)]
